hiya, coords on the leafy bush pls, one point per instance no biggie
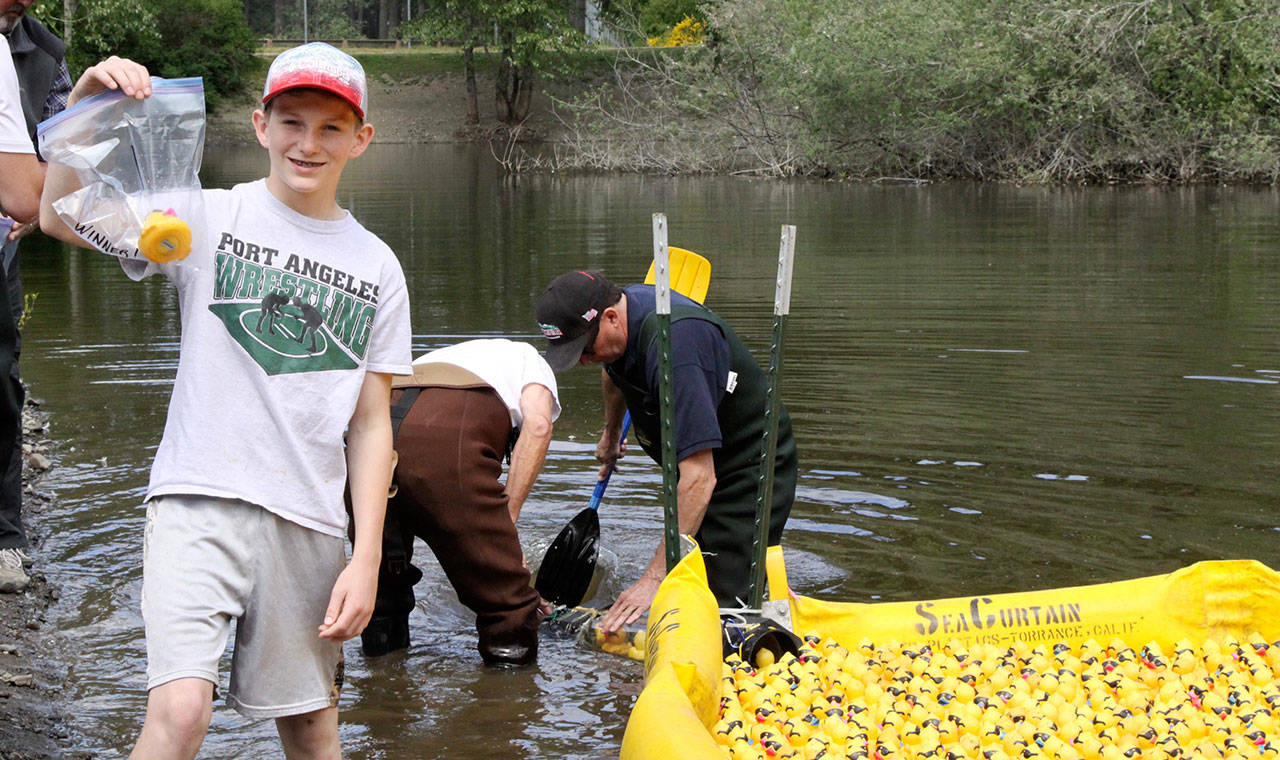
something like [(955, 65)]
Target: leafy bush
[(172, 38), (207, 38), (104, 28), (1072, 90)]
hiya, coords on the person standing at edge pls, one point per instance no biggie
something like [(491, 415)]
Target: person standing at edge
[(38, 59), (719, 392), (465, 408), (245, 512), (21, 177)]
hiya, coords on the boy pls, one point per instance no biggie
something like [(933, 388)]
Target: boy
[(245, 514)]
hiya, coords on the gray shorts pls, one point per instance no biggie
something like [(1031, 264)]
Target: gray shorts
[(207, 561)]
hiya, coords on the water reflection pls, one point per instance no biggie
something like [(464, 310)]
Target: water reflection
[(993, 388)]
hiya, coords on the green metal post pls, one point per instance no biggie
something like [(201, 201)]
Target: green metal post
[(769, 445), (666, 398)]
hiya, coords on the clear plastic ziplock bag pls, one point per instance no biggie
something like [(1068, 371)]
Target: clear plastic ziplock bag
[(138, 162)]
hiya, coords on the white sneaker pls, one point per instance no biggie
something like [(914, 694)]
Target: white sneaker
[(14, 559), (13, 581)]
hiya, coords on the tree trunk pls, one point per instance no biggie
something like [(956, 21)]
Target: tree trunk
[(576, 11), (388, 17), (512, 88), (277, 26), (69, 14), (473, 102)]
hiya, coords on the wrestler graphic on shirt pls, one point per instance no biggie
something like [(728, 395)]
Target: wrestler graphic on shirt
[(311, 321), (271, 304)]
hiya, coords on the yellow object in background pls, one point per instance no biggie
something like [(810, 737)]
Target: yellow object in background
[(164, 238)]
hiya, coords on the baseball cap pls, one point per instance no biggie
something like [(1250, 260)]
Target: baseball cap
[(319, 65), (569, 315)]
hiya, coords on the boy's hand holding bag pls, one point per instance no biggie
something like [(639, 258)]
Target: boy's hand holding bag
[(138, 163)]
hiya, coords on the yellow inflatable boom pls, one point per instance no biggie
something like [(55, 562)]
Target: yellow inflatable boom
[(681, 699)]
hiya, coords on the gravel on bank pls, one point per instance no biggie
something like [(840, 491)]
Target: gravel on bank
[(34, 663)]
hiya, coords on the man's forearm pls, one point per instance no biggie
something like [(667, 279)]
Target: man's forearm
[(693, 494), (526, 462), (21, 177), (537, 405), (615, 405)]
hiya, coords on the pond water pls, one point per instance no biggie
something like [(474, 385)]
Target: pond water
[(994, 389)]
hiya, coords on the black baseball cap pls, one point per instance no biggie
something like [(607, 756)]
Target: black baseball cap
[(569, 315)]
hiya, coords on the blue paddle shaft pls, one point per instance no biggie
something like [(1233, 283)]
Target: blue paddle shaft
[(603, 483)]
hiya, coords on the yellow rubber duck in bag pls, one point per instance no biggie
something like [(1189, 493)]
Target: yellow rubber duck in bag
[(138, 162)]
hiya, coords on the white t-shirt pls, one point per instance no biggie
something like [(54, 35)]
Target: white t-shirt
[(282, 316), (13, 125), (506, 365)]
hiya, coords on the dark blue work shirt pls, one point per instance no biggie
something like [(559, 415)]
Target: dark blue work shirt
[(699, 369)]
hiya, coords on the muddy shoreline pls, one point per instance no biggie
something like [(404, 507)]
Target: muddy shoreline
[(419, 110), (33, 664)]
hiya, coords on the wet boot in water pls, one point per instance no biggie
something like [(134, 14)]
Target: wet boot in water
[(384, 635), (388, 629), (510, 648)]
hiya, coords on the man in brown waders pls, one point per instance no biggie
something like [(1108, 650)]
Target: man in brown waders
[(465, 408)]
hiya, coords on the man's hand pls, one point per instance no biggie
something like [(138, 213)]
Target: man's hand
[(608, 451), (351, 602), (21, 230), (631, 604)]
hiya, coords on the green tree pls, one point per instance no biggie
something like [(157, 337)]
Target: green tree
[(464, 22), (526, 29), (207, 38), (529, 35), (172, 38), (111, 27), (326, 19)]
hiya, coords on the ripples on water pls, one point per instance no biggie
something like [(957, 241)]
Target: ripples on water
[(993, 389)]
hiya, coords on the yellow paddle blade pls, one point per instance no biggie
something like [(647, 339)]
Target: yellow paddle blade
[(690, 273)]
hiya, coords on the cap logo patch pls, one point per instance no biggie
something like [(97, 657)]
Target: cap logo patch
[(551, 331), (589, 314)]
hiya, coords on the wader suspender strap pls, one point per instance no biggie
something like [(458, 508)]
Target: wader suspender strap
[(401, 408), (394, 561)]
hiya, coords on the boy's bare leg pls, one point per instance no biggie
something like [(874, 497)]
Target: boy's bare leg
[(310, 736), (178, 714)]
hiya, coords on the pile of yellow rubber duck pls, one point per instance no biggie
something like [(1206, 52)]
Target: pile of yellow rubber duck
[(891, 702)]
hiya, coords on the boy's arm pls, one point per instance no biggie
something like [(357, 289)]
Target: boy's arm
[(369, 475), (111, 74)]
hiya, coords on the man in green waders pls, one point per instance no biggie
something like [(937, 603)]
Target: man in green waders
[(720, 406)]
